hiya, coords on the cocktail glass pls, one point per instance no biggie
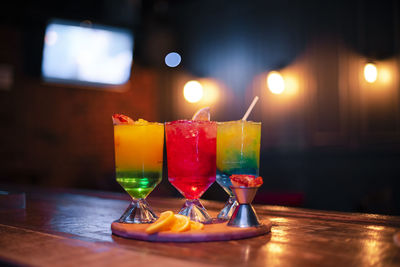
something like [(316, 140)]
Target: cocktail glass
[(138, 161), (238, 152), (191, 148)]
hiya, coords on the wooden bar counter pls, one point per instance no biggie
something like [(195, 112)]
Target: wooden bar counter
[(72, 228)]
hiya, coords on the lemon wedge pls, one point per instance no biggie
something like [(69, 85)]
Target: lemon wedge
[(202, 114), (181, 223), (164, 223)]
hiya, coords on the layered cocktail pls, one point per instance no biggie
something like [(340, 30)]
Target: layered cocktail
[(238, 152), (191, 155), (138, 163)]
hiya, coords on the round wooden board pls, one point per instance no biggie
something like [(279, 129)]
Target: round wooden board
[(211, 232)]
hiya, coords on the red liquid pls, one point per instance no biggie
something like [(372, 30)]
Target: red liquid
[(191, 148)]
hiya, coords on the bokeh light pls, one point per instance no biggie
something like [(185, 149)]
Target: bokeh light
[(385, 75), (193, 91), (211, 90), (291, 84), (370, 72), (275, 82), (173, 59)]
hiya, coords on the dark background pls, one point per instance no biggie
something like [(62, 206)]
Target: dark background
[(333, 144)]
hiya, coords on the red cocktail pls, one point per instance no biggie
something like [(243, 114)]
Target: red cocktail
[(191, 155)]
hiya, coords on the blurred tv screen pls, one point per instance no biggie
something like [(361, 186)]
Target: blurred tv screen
[(86, 53)]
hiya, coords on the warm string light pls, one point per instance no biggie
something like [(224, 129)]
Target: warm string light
[(276, 83), (370, 72), (205, 91), (197, 91), (193, 91)]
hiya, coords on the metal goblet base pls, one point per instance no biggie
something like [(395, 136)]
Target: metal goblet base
[(244, 216), (227, 211), (138, 211), (195, 211)]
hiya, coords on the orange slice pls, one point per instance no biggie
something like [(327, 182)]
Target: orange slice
[(181, 223), (202, 114), (196, 225), (166, 220)]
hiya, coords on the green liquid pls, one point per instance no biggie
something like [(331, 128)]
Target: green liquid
[(138, 184)]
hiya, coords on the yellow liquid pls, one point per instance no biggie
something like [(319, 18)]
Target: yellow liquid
[(238, 150), (139, 157)]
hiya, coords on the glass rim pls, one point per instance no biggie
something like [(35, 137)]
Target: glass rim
[(189, 122), (239, 121), (141, 124)]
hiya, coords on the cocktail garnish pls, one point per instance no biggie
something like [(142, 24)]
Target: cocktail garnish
[(181, 224), (246, 180), (196, 225), (177, 223), (163, 223), (202, 114), (121, 119)]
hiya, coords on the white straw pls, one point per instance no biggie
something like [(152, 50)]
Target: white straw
[(250, 108)]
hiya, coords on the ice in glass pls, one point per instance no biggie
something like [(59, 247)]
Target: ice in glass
[(191, 157)]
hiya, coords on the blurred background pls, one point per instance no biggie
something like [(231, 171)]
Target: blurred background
[(326, 72)]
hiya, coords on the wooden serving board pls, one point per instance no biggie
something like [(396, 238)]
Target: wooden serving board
[(210, 232)]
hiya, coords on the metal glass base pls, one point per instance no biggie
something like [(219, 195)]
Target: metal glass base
[(138, 211), (227, 211), (244, 214), (195, 211)]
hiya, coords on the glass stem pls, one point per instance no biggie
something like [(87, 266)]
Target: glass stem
[(195, 211), (138, 212)]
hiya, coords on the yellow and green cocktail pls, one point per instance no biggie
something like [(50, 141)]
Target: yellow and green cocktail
[(138, 164), (238, 152)]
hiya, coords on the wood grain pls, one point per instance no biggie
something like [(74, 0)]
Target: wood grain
[(21, 246), (211, 232), (298, 237)]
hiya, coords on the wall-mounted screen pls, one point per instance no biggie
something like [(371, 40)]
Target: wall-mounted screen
[(86, 53)]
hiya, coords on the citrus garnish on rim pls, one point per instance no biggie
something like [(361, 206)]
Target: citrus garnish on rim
[(202, 114)]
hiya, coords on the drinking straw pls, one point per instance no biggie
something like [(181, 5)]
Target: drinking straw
[(250, 108)]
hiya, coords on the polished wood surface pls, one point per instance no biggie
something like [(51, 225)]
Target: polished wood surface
[(71, 227), (210, 232)]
